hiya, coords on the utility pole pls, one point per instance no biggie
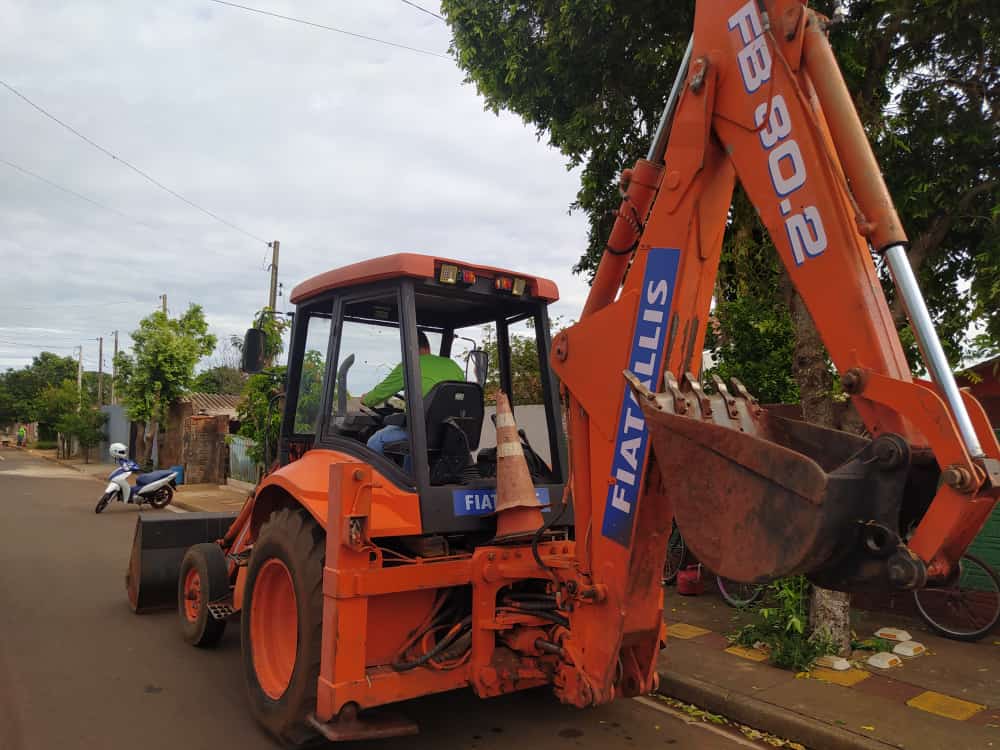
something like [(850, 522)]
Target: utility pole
[(100, 371), (163, 299), (273, 296), (79, 374), (114, 370)]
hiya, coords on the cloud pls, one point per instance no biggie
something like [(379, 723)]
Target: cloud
[(341, 148)]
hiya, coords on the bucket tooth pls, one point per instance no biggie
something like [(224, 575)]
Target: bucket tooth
[(704, 402), (743, 393), (673, 390), (722, 390)]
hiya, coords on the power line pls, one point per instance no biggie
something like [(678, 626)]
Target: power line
[(424, 10), (149, 178), (91, 201), (26, 345), (331, 28), (75, 194)]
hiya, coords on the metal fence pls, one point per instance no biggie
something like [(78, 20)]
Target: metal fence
[(241, 466)]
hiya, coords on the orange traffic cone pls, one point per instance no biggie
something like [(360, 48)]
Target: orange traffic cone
[(518, 510)]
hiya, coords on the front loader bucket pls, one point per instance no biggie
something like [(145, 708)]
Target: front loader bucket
[(758, 497), (157, 551)]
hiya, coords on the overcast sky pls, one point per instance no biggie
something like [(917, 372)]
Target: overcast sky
[(341, 148)]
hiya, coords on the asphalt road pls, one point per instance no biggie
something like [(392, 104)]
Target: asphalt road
[(79, 671)]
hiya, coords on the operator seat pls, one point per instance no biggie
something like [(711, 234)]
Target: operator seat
[(453, 414)]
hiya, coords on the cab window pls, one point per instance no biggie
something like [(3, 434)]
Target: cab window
[(311, 378)]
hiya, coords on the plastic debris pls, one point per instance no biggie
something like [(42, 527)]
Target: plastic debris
[(893, 634), (885, 660), (830, 661), (909, 648)]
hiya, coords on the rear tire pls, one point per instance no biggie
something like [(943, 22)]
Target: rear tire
[(284, 600), (162, 497), (103, 502), (203, 578)]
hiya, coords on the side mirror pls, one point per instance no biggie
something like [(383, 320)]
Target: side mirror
[(480, 360), (253, 351)]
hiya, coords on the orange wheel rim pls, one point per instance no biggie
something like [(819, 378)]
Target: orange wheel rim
[(274, 628), (192, 594)]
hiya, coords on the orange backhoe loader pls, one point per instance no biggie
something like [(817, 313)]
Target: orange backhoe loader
[(391, 553)]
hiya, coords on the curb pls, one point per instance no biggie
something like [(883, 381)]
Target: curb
[(765, 716), (59, 461)]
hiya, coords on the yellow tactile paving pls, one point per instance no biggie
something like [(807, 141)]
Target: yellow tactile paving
[(752, 654), (945, 705), (846, 677), (685, 631)]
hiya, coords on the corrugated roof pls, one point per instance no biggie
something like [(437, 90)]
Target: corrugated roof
[(213, 404)]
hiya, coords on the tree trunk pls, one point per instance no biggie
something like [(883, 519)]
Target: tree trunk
[(829, 611)]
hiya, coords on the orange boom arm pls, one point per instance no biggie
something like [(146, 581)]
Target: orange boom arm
[(759, 99)]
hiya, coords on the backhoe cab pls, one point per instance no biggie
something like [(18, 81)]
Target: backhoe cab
[(355, 325)]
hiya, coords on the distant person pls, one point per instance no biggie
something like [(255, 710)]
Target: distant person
[(433, 370), (22, 435)]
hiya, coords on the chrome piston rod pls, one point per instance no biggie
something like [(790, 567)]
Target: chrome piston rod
[(659, 145), (930, 345)]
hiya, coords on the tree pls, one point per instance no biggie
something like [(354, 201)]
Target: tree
[(86, 425), (526, 379), (55, 404), (21, 391), (593, 77), (260, 412), (161, 367), (219, 379)]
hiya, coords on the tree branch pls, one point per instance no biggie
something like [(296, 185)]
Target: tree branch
[(929, 242)]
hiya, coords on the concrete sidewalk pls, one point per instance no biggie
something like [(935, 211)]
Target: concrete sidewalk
[(192, 497), (946, 698)]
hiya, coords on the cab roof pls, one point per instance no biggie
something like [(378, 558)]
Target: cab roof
[(412, 265)]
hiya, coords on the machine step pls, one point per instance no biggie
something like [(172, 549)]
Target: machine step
[(220, 610), (373, 725)]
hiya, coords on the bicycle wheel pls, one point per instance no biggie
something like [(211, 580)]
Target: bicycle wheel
[(967, 607), (738, 594), (676, 552)]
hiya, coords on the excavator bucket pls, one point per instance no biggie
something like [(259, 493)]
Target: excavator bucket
[(757, 496), (157, 551)]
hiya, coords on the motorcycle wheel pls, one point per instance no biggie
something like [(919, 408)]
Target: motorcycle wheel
[(161, 498), (103, 502)]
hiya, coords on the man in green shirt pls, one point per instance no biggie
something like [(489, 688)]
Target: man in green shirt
[(433, 370)]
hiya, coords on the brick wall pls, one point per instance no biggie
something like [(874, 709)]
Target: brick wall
[(204, 449)]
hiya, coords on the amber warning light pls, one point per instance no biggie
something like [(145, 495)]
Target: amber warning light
[(450, 274), (516, 287)]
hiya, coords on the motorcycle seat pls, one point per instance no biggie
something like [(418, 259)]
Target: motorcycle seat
[(153, 476)]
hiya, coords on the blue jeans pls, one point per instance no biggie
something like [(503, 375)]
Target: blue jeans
[(390, 434)]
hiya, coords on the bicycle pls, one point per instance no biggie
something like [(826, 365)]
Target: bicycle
[(967, 606), (735, 594)]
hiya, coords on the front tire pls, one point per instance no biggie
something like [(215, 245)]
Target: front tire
[(103, 502), (204, 578), (281, 626)]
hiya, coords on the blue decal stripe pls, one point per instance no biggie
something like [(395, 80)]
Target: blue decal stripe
[(483, 501), (645, 360)]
